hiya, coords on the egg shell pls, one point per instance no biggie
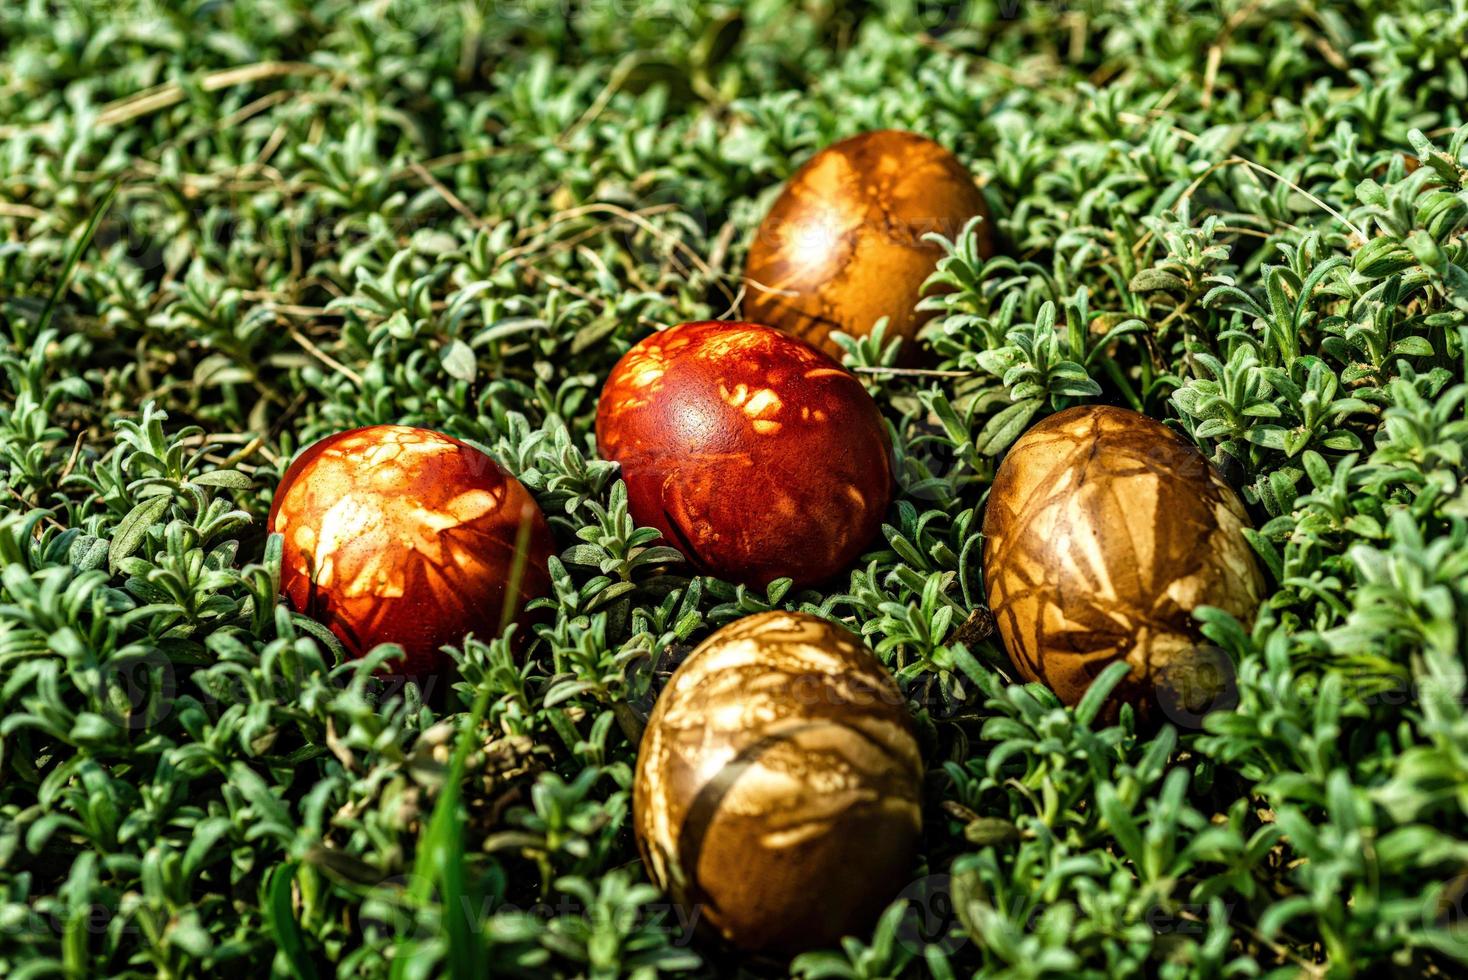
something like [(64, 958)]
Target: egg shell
[(1104, 530), (778, 787), (394, 534), (754, 454), (843, 244)]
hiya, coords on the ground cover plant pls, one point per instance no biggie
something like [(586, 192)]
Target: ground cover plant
[(227, 230)]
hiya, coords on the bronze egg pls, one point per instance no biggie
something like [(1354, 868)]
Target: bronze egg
[(1104, 530), (843, 244), (777, 796)]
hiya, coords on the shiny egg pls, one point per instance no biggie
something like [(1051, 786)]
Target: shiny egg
[(394, 534), (1103, 531), (778, 787), (843, 244), (754, 454)]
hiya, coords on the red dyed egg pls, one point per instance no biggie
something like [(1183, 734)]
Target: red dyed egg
[(754, 453), (402, 535)]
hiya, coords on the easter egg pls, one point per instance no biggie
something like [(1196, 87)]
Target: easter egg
[(778, 785), (755, 455), (394, 534), (1103, 531), (843, 244)]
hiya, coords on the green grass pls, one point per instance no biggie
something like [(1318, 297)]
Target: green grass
[(320, 214)]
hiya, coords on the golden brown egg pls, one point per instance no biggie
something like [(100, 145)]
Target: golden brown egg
[(778, 784), (401, 535), (843, 244), (755, 454), (1104, 531)]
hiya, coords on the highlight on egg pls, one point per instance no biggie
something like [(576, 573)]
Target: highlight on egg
[(1104, 531), (756, 456), (394, 534), (843, 244), (778, 785)]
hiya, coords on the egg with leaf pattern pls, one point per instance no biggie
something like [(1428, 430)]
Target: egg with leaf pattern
[(756, 456), (778, 786), (843, 245), (1103, 532), (395, 534)]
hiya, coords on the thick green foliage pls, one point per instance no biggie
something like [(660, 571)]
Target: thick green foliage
[(229, 229)]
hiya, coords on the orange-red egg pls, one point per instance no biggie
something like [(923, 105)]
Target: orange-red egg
[(401, 535), (843, 244), (755, 455)]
